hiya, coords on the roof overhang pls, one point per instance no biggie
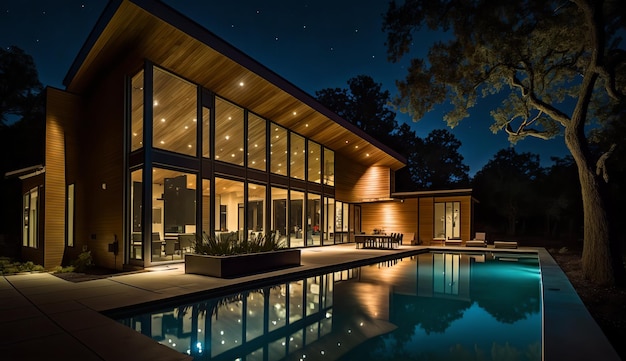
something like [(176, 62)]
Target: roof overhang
[(135, 30), (27, 172), (433, 193)]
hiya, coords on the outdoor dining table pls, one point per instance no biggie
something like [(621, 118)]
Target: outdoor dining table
[(374, 241)]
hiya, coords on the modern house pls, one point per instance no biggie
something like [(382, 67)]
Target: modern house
[(164, 131)]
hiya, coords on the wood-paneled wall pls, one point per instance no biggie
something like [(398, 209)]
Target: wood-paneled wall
[(355, 182), (99, 170), (413, 216), (393, 217), (62, 111)]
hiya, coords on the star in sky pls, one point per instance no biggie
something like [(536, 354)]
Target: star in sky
[(313, 45)]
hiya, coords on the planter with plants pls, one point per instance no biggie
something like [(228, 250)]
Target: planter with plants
[(228, 257)]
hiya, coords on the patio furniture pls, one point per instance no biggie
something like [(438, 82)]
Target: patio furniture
[(505, 244), (480, 240), (453, 242)]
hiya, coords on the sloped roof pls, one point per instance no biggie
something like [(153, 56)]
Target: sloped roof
[(134, 30)]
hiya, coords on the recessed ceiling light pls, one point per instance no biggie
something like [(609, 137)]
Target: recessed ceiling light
[(241, 83)]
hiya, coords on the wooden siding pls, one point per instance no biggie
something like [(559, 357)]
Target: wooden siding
[(426, 219), (400, 217), (355, 182), (183, 47), (61, 114), (99, 170), (413, 216)]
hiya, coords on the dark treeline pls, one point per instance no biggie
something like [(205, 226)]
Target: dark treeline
[(517, 197)]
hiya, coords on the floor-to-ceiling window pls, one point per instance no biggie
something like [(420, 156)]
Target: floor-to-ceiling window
[(175, 109), (329, 221), (69, 215), (447, 220), (229, 198), (278, 149), (31, 218), (279, 213), (173, 214), (228, 132), (256, 210), (313, 219), (256, 142), (298, 153), (314, 171), (229, 137), (136, 205), (296, 219)]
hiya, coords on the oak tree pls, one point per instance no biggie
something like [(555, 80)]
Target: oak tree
[(555, 62)]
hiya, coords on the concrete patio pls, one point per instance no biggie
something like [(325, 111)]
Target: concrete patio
[(43, 317)]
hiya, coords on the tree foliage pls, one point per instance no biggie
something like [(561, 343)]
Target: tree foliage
[(557, 63), (21, 129), (19, 85), (433, 162), (506, 186), (363, 104)]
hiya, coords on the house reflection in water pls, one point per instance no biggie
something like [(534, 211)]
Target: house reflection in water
[(340, 314)]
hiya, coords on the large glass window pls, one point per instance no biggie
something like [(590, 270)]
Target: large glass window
[(256, 209), (229, 208), (136, 111), (296, 216), (278, 150), (175, 113), (329, 221), (447, 218), (173, 214), (279, 213), (314, 173), (206, 132), (69, 216), (297, 156), (313, 219), (31, 218), (228, 132), (329, 167), (136, 243), (256, 142), (206, 206)]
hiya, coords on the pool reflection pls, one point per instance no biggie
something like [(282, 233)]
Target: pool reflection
[(431, 305)]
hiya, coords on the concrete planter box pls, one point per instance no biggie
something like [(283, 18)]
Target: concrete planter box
[(240, 265)]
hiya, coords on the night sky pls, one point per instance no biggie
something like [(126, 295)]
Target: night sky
[(313, 44)]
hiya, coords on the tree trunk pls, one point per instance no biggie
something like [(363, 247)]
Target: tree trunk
[(598, 264)]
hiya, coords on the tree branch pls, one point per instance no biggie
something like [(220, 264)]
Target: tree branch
[(526, 132), (601, 163)]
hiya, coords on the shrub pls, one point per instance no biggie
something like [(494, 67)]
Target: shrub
[(83, 262), (228, 244)]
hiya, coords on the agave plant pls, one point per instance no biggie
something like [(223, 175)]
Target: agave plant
[(228, 244)]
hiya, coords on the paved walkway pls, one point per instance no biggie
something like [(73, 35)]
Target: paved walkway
[(43, 317)]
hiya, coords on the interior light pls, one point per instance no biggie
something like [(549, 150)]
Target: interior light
[(306, 125), (241, 83), (162, 142), (356, 147), (230, 118), (134, 134), (233, 156), (367, 154), (162, 120), (186, 127), (227, 137), (195, 120), (156, 102)]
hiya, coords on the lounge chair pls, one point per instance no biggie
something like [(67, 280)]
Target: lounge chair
[(480, 240), (453, 242), (505, 244)]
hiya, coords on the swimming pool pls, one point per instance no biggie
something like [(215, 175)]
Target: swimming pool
[(429, 306)]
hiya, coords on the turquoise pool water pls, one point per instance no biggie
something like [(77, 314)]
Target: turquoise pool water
[(430, 306)]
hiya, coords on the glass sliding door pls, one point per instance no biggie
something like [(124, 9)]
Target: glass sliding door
[(447, 220), (296, 216), (228, 197), (279, 213), (313, 219), (256, 210)]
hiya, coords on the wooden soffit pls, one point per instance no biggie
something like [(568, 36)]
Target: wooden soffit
[(130, 31)]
